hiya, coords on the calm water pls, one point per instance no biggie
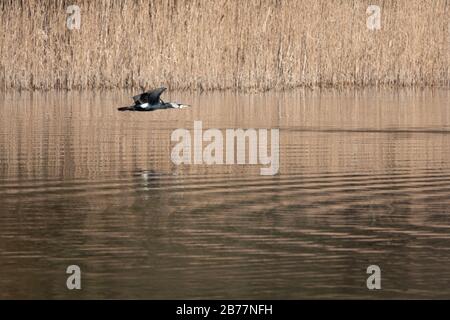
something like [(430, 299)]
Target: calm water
[(364, 179)]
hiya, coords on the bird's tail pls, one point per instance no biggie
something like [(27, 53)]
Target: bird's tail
[(125, 108)]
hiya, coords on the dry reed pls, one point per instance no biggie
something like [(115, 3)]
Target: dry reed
[(223, 44)]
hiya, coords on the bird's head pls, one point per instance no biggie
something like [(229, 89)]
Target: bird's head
[(179, 105)]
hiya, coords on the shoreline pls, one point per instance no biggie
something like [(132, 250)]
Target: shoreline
[(310, 89)]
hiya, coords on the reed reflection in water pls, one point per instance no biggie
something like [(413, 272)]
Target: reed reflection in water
[(364, 179)]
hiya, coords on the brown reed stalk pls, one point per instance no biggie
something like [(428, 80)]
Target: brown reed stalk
[(223, 44)]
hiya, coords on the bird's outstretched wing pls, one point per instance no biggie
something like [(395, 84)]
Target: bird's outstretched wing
[(150, 97)]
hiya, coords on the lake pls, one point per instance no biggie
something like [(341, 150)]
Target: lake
[(363, 179)]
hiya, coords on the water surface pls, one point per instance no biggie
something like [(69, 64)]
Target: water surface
[(364, 179)]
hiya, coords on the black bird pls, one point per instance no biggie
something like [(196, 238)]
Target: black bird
[(150, 101)]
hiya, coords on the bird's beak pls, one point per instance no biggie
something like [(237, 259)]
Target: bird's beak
[(184, 106)]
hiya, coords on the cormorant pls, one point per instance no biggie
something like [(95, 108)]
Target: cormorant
[(150, 101)]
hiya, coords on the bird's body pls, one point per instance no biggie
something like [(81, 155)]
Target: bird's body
[(150, 101), (152, 107)]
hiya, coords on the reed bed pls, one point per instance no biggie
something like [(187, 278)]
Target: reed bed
[(223, 44)]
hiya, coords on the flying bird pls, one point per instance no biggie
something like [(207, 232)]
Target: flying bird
[(150, 101)]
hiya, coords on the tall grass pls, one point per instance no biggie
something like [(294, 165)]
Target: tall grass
[(223, 44)]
